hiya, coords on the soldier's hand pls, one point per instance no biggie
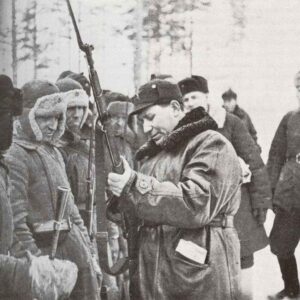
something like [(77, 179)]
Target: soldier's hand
[(117, 182), (260, 214)]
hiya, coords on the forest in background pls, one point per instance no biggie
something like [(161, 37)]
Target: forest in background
[(251, 46)]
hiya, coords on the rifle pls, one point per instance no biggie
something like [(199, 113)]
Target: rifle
[(62, 199), (101, 135), (91, 180)]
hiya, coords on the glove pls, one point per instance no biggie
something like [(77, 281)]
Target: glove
[(260, 215), (52, 279)]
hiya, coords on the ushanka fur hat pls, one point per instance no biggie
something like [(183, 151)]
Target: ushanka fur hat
[(77, 98), (68, 84), (48, 106), (36, 89), (193, 84)]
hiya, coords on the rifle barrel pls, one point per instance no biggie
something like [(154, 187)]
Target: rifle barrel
[(79, 40)]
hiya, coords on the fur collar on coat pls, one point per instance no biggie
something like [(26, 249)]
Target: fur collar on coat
[(193, 123)]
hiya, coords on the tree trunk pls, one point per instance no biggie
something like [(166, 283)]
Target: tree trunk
[(14, 44), (158, 51), (191, 37), (79, 22), (34, 41), (138, 44)]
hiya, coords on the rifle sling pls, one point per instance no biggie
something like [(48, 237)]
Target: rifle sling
[(102, 235)]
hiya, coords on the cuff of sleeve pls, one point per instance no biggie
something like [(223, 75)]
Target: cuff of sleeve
[(130, 183)]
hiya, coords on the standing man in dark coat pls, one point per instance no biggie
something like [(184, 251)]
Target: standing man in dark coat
[(185, 199), (256, 193), (231, 106), (284, 171)]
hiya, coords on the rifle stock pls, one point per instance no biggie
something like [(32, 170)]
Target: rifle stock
[(62, 199)]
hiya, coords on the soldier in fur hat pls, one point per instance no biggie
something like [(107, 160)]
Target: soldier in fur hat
[(37, 170), (256, 193), (79, 77), (20, 278)]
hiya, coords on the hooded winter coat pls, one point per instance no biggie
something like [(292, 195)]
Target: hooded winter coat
[(36, 171), (180, 189), (283, 164), (255, 194)]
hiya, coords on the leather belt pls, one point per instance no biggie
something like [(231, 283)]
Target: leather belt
[(225, 221), (50, 226), (295, 158)]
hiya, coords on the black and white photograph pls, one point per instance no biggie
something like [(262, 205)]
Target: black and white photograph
[(149, 149)]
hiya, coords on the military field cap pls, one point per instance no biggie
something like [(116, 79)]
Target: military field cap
[(156, 92), (229, 94), (193, 84)]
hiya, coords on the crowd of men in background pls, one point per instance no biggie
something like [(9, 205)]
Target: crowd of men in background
[(193, 175)]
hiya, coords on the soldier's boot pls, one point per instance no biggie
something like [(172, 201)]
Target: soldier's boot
[(288, 267)]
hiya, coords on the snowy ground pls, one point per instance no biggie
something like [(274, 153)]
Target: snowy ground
[(267, 278)]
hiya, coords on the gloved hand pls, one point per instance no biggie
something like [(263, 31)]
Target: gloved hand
[(260, 214), (117, 182), (52, 279)]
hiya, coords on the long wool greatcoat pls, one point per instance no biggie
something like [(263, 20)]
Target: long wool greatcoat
[(179, 190), (257, 193), (284, 171), (13, 285), (36, 170)]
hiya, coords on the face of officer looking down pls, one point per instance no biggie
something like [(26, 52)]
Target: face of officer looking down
[(74, 117), (195, 99), (159, 120), (48, 125)]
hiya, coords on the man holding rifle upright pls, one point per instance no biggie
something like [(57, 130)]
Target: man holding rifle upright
[(185, 194)]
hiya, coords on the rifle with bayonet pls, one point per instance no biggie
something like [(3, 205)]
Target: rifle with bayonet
[(103, 136)]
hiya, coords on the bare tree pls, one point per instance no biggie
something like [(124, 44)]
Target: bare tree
[(14, 45), (239, 19), (138, 44)]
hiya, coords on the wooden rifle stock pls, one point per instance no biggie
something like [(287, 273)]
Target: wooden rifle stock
[(62, 199)]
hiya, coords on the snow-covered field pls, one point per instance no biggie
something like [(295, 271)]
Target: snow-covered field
[(266, 274)]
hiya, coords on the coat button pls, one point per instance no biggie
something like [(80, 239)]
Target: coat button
[(143, 184)]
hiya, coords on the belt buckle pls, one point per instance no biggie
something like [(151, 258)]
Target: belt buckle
[(298, 158), (224, 221)]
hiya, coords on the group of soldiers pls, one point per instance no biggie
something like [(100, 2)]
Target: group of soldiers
[(193, 179)]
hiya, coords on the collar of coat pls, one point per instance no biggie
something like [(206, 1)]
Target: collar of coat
[(193, 123), (238, 111)]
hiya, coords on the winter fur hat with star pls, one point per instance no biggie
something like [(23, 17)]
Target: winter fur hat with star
[(77, 97), (48, 106)]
